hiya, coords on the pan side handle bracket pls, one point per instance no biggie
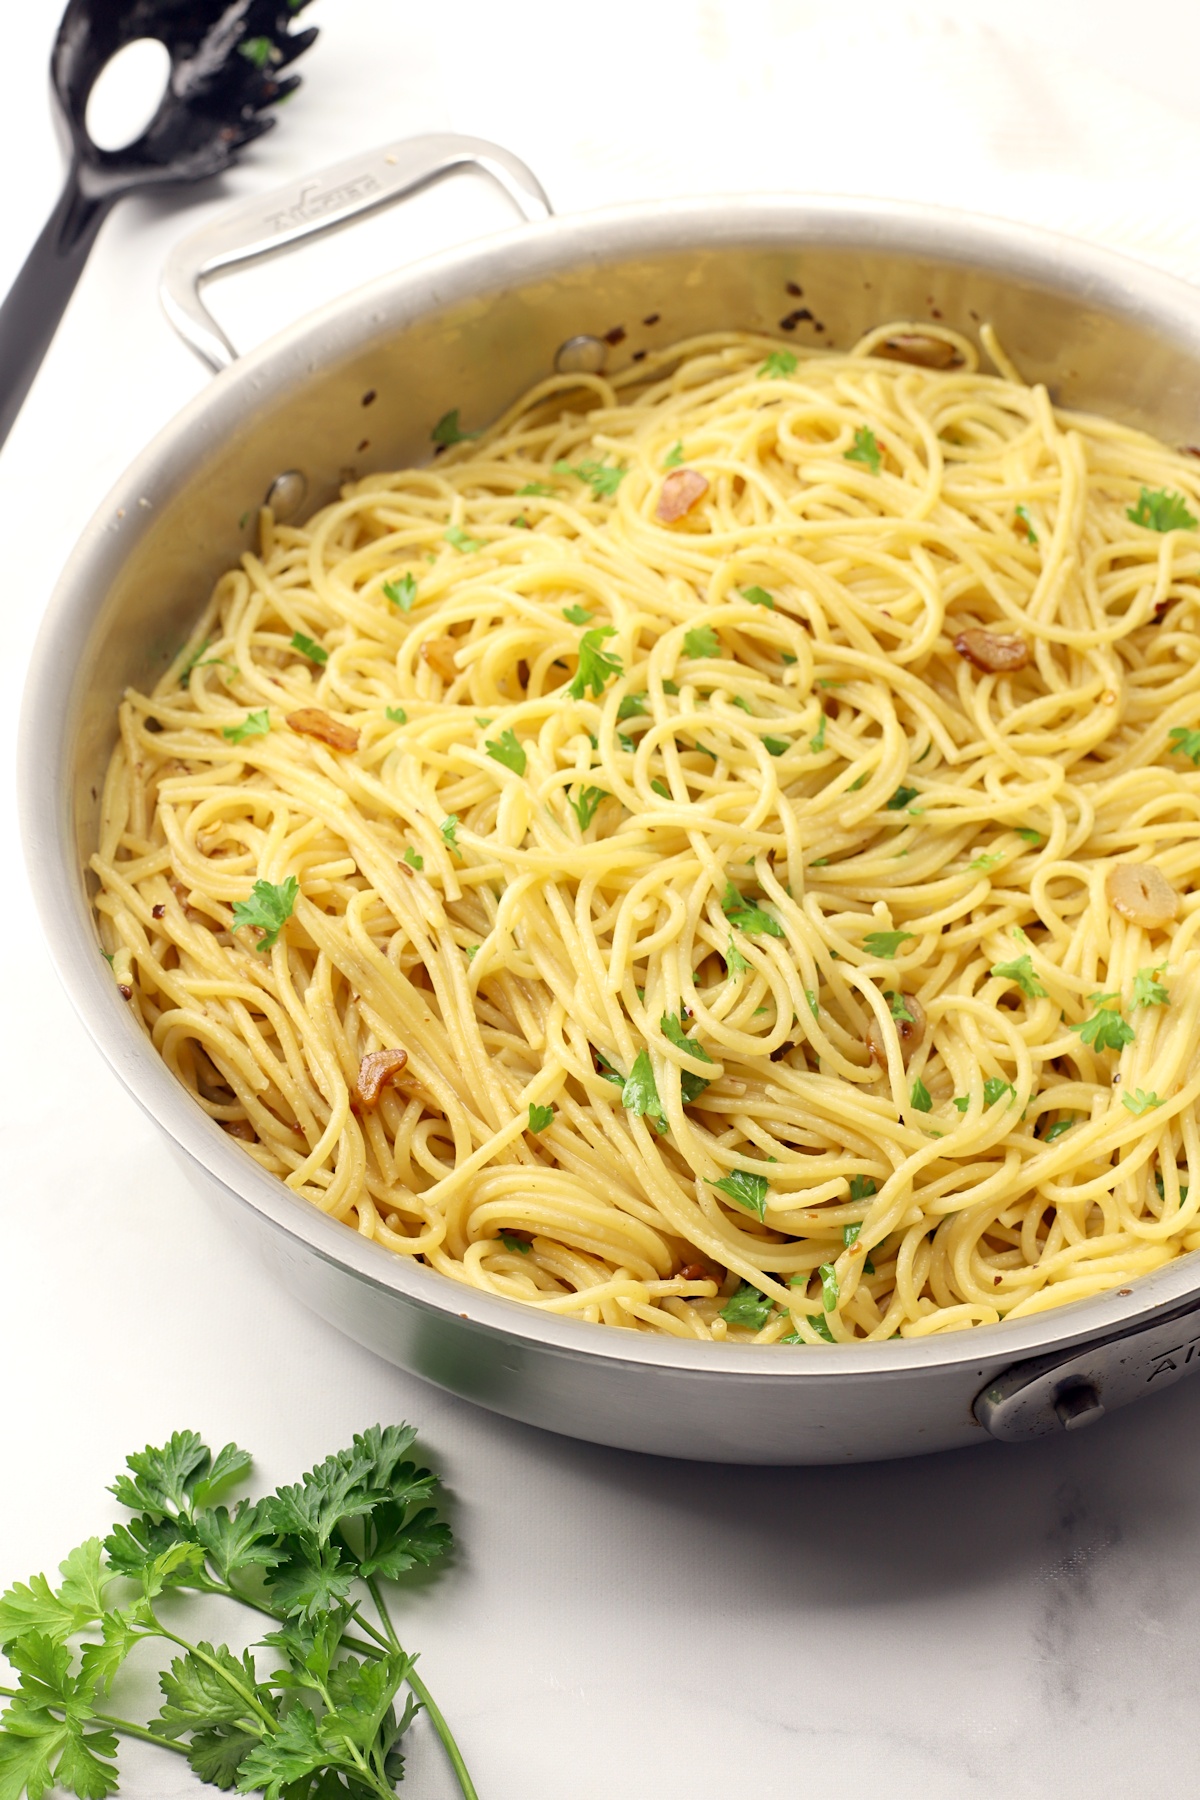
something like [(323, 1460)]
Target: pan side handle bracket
[(269, 224), (1070, 1390)]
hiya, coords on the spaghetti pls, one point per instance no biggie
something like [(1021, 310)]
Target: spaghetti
[(712, 855)]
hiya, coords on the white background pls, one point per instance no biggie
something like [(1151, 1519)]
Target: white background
[(1004, 1622)]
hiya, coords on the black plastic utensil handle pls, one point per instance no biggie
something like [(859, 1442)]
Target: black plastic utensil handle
[(35, 303)]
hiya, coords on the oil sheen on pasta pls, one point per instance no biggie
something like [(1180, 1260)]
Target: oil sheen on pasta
[(652, 945)]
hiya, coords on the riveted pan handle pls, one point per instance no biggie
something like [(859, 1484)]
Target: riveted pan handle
[(271, 223), (1077, 1387)]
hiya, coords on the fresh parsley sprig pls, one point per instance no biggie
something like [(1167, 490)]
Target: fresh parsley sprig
[(312, 1558)]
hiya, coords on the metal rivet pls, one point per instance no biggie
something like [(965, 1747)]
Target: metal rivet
[(581, 356), (1078, 1405), (285, 496)]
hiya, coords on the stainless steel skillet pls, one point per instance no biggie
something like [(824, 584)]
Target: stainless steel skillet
[(359, 385)]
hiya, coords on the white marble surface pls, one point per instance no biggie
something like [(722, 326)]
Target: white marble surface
[(1003, 1622)]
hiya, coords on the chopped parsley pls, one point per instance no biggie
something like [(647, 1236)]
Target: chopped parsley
[(747, 1307), (1105, 1029), (920, 1097), (535, 488), (816, 742), (585, 807), (660, 788), (703, 641), (850, 1234), (603, 478), (1148, 990), (758, 596), (401, 593), (995, 1088), (735, 962), (307, 647), (962, 1102), (747, 917), (1139, 1102), (255, 724), (639, 1092), (779, 364), (1162, 1194), (900, 799), (396, 714), (576, 615), (540, 1117), (830, 1294), (459, 540), (747, 1189), (885, 943), (1027, 832), (690, 1086), (1161, 510), (1020, 970), (818, 1323), (449, 831), (1026, 524), (511, 1242), (414, 859), (865, 450), (596, 666), (776, 746), (632, 706), (1056, 1130), (900, 1012), (267, 910), (674, 456), (505, 749), (862, 1187), (988, 860), (448, 431), (1183, 743)]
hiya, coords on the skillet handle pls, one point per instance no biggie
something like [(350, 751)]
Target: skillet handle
[(1076, 1387), (270, 223)]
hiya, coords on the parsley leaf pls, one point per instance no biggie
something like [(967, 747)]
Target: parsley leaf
[(747, 1307), (988, 860), (448, 431), (414, 859), (308, 647), (459, 540), (776, 746), (885, 943), (1185, 743), (778, 364), (538, 490), (702, 641), (1027, 524), (816, 742), (862, 1187), (585, 807), (995, 1087), (268, 909), (900, 799), (1020, 970), (661, 789), (920, 1097), (1148, 990), (747, 1189), (1161, 511), (255, 724), (747, 917), (396, 714), (1056, 1130), (515, 1243), (673, 1029), (865, 450), (1027, 832), (1105, 1029), (449, 830), (830, 1294), (1139, 1102), (576, 615), (505, 749), (603, 478), (900, 1012), (674, 456), (540, 1117), (401, 593), (639, 1094), (735, 962), (596, 666), (758, 596)]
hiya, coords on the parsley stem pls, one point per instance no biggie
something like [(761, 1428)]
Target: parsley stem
[(418, 1687), (125, 1726)]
